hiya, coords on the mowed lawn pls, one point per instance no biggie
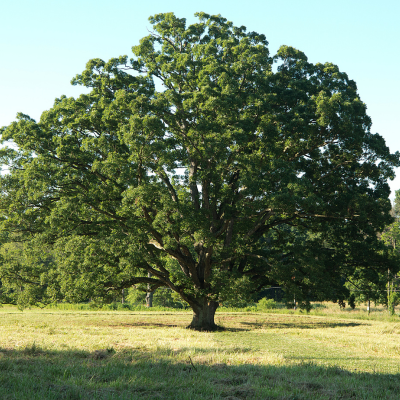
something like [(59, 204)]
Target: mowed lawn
[(51, 354)]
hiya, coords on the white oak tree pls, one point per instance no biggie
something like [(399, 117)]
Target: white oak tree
[(199, 162)]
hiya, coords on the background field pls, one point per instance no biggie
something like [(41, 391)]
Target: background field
[(59, 354)]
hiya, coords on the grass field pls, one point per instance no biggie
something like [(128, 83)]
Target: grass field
[(58, 354)]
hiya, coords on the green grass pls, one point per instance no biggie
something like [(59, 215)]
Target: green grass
[(61, 354)]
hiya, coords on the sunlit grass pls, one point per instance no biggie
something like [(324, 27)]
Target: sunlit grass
[(51, 354)]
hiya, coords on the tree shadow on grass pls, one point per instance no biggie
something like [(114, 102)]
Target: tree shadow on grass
[(300, 324), (179, 324), (143, 324), (34, 373)]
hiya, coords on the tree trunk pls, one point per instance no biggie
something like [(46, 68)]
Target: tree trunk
[(149, 295), (203, 316), (149, 299)]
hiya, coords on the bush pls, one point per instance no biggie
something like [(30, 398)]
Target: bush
[(266, 304), (393, 301), (319, 305)]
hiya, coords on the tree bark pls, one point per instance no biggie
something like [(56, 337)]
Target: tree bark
[(203, 316), (149, 299), (149, 295)]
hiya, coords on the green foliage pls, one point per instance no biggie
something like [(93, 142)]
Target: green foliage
[(234, 177), (136, 297), (266, 304), (162, 297), (27, 274), (393, 301), (377, 279), (352, 301)]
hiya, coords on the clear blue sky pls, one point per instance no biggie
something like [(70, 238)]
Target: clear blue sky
[(44, 43)]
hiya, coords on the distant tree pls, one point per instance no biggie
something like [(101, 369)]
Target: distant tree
[(203, 179), (377, 280), (391, 236), (369, 284)]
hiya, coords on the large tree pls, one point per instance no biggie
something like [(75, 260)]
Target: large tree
[(202, 161)]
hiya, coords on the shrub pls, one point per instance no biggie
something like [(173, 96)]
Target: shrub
[(266, 304)]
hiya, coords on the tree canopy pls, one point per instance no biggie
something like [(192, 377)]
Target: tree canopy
[(208, 163)]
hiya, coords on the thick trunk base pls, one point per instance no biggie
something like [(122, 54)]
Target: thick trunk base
[(203, 317), (149, 299)]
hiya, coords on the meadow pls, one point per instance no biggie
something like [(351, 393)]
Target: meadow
[(279, 354)]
